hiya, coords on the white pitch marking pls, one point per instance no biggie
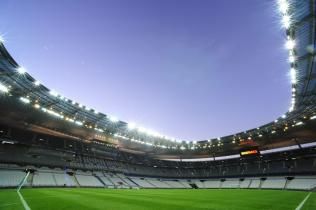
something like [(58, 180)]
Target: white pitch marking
[(299, 207), (25, 205)]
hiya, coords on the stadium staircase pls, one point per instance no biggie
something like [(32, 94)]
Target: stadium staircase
[(54, 178), (136, 185), (29, 180), (184, 186), (221, 183), (194, 186), (109, 179), (100, 180), (75, 180), (261, 182), (286, 184), (249, 184)]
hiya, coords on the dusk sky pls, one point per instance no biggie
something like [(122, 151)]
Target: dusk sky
[(189, 69)]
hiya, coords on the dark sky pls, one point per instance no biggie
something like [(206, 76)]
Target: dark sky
[(190, 69)]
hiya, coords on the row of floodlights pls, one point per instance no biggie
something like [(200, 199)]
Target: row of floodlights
[(131, 126), (284, 7), (26, 100)]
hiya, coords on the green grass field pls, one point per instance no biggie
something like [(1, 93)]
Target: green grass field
[(111, 199)]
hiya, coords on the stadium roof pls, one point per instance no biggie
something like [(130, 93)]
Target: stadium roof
[(76, 120)]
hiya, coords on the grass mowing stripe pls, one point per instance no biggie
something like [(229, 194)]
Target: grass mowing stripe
[(8, 204)]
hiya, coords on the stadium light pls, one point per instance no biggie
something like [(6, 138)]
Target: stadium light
[(299, 123), (286, 21), (151, 132), (21, 70), (25, 100), (37, 83), (293, 75), (292, 59), (3, 88), (131, 126), (113, 119), (70, 120), (142, 129), (53, 93), (79, 123), (283, 6), (2, 40), (290, 44)]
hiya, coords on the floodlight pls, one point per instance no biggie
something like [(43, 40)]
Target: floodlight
[(290, 44), (131, 126), (142, 129), (37, 83), (291, 58), (3, 88), (53, 93), (78, 123), (25, 100), (293, 75), (21, 70), (286, 21), (283, 6), (2, 39), (113, 119), (299, 123)]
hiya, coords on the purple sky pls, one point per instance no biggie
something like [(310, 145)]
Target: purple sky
[(190, 69)]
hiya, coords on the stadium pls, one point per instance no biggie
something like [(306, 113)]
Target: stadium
[(56, 153)]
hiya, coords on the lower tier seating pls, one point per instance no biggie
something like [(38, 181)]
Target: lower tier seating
[(39, 177)]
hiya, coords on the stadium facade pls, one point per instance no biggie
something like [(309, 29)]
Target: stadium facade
[(53, 141)]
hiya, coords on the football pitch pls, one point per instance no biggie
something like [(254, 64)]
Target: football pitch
[(115, 199)]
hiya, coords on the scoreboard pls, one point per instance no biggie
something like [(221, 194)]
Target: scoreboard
[(249, 152)]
